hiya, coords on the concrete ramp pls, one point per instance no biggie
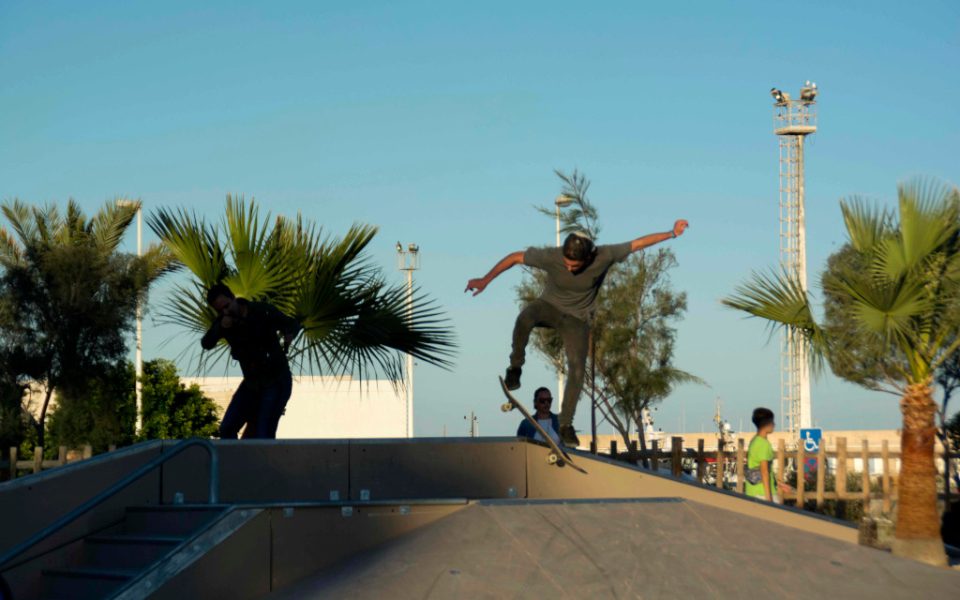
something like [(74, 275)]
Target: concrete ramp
[(641, 548)]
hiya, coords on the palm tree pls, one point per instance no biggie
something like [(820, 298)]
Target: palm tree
[(353, 321), (903, 300), (68, 297)]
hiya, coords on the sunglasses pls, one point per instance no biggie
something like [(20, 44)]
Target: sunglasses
[(545, 400)]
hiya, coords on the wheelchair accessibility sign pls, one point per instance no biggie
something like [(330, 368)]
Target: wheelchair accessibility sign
[(811, 440)]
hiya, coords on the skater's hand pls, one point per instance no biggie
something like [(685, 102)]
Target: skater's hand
[(679, 227), (479, 285), (226, 322)]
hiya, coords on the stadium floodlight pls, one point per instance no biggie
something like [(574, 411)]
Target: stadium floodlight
[(809, 92), (779, 97)]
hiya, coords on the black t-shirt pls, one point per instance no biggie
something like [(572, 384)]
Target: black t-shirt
[(254, 340), (574, 294)]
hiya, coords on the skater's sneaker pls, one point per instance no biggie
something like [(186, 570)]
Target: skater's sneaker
[(568, 436), (513, 378)]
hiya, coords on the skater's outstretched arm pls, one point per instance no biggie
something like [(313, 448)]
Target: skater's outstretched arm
[(478, 285), (655, 238)]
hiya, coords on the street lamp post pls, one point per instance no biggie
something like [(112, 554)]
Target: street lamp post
[(409, 260), (561, 200), (139, 359)]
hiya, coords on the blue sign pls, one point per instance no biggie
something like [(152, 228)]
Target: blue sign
[(810, 438)]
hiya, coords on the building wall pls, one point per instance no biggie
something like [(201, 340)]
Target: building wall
[(327, 407)]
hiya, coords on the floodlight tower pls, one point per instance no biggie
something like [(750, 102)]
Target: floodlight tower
[(409, 260), (793, 121)]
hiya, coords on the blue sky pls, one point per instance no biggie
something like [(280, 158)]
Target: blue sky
[(442, 123)]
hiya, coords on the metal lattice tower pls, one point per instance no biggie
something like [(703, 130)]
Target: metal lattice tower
[(793, 121)]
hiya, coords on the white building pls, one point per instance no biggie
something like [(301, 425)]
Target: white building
[(327, 407)]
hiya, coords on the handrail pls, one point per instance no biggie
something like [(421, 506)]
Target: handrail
[(212, 498)]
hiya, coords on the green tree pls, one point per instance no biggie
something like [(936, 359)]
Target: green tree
[(868, 360), (580, 216), (899, 300), (14, 420), (71, 293), (105, 414), (172, 410), (633, 330), (352, 320), (634, 340)]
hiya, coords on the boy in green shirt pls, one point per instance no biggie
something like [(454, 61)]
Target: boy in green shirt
[(760, 481)]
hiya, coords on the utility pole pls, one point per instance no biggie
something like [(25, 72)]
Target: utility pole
[(561, 200), (794, 120), (474, 424), (409, 260)]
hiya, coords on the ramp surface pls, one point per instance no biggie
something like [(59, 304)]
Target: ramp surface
[(650, 548)]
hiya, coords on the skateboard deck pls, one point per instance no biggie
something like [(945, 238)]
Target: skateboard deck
[(558, 456)]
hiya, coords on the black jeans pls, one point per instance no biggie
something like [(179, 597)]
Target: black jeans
[(575, 334), (259, 403)]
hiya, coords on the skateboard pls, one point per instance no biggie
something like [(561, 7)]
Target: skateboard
[(558, 456)]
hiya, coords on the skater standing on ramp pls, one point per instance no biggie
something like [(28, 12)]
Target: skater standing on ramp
[(252, 330), (575, 273)]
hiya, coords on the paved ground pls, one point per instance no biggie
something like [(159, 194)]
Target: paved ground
[(621, 549)]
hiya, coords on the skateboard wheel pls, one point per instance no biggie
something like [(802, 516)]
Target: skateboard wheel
[(506, 407), (552, 458)]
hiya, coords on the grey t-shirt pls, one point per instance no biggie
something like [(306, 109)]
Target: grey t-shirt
[(574, 294)]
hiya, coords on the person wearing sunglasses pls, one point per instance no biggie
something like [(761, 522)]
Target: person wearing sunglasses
[(550, 421)]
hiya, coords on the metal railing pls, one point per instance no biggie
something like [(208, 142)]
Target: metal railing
[(213, 498)]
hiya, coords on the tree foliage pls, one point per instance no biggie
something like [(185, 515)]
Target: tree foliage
[(68, 296), (106, 414), (353, 320), (635, 337), (633, 329), (892, 297), (172, 410)]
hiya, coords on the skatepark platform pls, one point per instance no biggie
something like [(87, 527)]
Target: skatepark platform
[(422, 518)]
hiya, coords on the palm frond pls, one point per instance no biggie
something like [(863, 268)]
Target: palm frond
[(353, 322), (10, 251), (21, 220), (866, 225), (192, 243), (111, 222), (782, 300), (927, 220)]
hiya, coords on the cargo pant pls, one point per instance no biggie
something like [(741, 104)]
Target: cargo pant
[(575, 334)]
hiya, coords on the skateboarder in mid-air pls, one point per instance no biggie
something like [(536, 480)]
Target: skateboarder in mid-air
[(575, 273)]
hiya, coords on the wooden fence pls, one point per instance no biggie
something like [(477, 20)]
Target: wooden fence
[(725, 469), (12, 466)]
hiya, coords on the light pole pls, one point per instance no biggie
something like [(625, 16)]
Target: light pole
[(139, 360), (409, 260), (474, 424), (794, 120), (561, 200)]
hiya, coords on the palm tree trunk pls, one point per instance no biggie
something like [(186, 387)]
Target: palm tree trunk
[(918, 525)]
